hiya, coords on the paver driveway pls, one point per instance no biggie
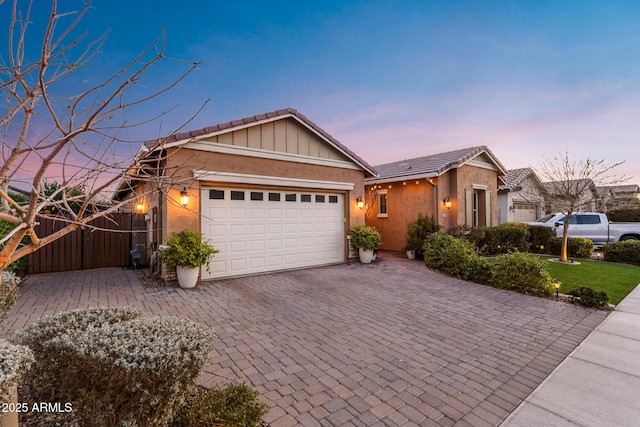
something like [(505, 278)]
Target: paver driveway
[(390, 343)]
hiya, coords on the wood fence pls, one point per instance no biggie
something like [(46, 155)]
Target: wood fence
[(86, 248)]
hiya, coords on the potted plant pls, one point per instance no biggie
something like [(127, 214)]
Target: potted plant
[(417, 231), (366, 239), (414, 243), (187, 251)]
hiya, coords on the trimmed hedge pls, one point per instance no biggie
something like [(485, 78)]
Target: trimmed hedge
[(15, 360), (456, 258), (524, 273), (627, 251), (503, 239), (577, 247), (116, 367), (468, 233), (538, 237), (624, 215)]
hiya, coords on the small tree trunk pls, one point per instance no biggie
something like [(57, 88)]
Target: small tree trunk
[(565, 239)]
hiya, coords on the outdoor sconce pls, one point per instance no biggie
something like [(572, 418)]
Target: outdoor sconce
[(447, 202), (184, 197), (360, 202), (140, 207), (512, 208)]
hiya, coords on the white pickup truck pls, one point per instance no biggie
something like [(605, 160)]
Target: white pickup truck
[(593, 226)]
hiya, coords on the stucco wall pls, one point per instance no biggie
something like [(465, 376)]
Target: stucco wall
[(406, 199), (467, 176), (184, 161)]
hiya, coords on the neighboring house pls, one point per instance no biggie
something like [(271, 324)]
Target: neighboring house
[(556, 191), (614, 197), (455, 188), (272, 192), (521, 199)]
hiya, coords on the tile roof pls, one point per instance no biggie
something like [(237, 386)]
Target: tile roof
[(618, 189), (514, 177), (433, 165), (272, 115)]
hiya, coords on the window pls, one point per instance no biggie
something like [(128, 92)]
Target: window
[(319, 198), (588, 219), (382, 204), (257, 195), (237, 195), (274, 197), (216, 194), (290, 197), (305, 198), (333, 199)]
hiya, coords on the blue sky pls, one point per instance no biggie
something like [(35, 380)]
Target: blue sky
[(401, 79)]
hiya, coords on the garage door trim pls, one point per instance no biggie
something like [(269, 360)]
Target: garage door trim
[(276, 181)]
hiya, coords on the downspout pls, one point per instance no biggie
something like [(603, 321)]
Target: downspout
[(435, 200)]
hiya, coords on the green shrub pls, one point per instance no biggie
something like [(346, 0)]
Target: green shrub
[(365, 237), (456, 258), (524, 273), (465, 232), (590, 298), (15, 360), (187, 248), (624, 215), (577, 247), (417, 231), (235, 405), (503, 239), (516, 224), (116, 367), (627, 251), (538, 237)]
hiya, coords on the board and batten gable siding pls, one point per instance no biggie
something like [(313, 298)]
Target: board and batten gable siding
[(285, 136)]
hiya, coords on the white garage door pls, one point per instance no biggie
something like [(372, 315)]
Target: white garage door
[(524, 213), (258, 231)]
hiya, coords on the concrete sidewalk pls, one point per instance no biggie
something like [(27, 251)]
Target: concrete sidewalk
[(598, 384)]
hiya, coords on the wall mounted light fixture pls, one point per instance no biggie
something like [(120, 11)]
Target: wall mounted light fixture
[(447, 202), (360, 202), (140, 207), (512, 208), (184, 197)]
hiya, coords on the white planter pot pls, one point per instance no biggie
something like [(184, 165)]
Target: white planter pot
[(365, 256), (411, 254), (187, 276)]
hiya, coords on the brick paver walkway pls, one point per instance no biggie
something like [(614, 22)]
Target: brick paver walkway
[(385, 344)]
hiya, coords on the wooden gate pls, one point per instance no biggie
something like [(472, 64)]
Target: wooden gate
[(85, 249)]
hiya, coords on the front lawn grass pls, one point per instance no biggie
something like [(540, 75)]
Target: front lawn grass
[(617, 280)]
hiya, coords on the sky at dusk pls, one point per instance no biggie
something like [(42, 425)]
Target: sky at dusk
[(399, 79)]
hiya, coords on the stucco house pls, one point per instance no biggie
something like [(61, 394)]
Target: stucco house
[(619, 197), (272, 192), (521, 198), (455, 188)]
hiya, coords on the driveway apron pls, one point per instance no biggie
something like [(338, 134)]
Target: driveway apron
[(385, 344)]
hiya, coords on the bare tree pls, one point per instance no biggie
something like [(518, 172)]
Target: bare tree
[(54, 124), (569, 182)]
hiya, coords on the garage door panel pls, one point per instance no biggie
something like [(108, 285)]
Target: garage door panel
[(290, 243), (257, 245), (238, 213), (284, 230), (275, 261), (237, 230), (238, 265), (255, 229), (274, 228)]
